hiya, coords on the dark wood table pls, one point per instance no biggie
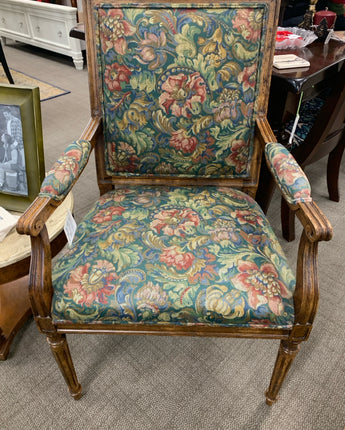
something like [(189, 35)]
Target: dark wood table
[(78, 31), (286, 89), (287, 85)]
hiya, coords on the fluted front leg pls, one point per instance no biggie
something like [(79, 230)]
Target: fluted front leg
[(59, 346), (286, 355)]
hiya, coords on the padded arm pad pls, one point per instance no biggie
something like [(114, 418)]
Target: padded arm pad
[(288, 175), (66, 170)]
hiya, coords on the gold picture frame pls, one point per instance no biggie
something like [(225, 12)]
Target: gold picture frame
[(21, 146)]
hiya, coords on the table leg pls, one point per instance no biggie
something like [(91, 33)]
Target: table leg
[(14, 311)]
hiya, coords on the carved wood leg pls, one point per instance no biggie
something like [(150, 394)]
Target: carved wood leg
[(288, 221), (286, 355), (333, 167), (59, 346)]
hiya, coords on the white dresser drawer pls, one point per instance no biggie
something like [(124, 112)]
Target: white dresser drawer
[(49, 30), (14, 22)]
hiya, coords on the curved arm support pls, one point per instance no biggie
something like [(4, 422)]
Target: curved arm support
[(314, 221), (295, 188), (67, 169), (40, 282), (306, 296), (35, 217)]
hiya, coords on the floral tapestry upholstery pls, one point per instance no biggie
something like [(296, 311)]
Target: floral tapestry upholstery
[(179, 88), (66, 170), (289, 176), (308, 114), (157, 255)]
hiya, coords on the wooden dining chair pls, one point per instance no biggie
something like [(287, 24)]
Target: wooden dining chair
[(176, 243), (320, 132)]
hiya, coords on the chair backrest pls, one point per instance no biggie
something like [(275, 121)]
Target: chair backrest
[(179, 88)]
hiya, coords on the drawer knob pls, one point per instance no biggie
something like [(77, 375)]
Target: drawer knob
[(3, 20), (59, 33), (21, 25), (38, 29)]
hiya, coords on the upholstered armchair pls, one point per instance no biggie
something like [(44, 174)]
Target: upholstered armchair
[(176, 243)]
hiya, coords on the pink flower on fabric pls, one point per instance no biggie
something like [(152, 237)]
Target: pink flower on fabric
[(262, 285), (67, 166), (150, 50), (286, 168), (107, 214), (115, 74), (152, 297), (181, 92), (247, 77), (247, 217), (302, 195), (238, 156), (175, 222), (181, 141), (248, 22), (90, 284), (172, 256), (223, 229), (122, 157), (114, 30), (49, 189)]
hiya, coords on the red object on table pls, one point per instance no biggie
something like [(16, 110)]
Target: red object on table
[(284, 35), (327, 14)]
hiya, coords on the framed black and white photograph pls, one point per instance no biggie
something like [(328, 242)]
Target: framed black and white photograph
[(21, 146)]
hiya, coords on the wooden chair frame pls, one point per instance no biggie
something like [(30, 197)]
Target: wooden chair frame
[(306, 296)]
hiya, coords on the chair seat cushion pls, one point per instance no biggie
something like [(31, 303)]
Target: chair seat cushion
[(158, 255)]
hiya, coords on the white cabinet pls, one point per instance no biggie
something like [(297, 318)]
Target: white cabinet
[(41, 24)]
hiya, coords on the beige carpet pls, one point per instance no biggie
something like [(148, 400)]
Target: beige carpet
[(174, 383), (47, 91)]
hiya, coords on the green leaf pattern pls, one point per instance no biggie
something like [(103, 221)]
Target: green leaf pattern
[(179, 88), (155, 255)]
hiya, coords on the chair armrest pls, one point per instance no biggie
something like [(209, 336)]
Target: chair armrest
[(288, 175), (55, 187), (66, 170), (295, 188), (314, 221), (33, 222)]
